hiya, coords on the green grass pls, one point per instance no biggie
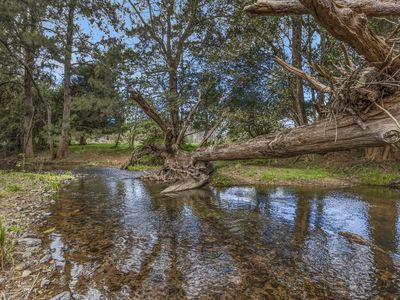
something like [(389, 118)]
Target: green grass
[(219, 179), (140, 168), (289, 174), (6, 246), (99, 148), (189, 147), (375, 176), (12, 188), (363, 173)]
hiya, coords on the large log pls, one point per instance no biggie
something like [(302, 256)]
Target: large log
[(338, 134), (372, 8)]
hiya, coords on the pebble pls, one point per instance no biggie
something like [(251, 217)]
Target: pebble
[(21, 266), (62, 296), (31, 242), (26, 273), (45, 259), (44, 283), (27, 254)]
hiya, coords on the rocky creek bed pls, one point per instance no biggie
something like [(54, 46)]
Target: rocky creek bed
[(28, 270)]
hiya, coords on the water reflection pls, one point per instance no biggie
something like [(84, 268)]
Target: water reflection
[(117, 238)]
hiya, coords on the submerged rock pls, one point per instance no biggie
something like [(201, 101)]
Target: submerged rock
[(62, 296)]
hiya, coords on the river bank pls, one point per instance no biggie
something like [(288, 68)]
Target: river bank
[(330, 170), (27, 268), (297, 174)]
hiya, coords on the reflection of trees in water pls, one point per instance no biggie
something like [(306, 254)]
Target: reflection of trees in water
[(262, 267), (200, 229), (383, 220), (88, 222)]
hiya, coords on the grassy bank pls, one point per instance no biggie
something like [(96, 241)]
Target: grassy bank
[(292, 173)]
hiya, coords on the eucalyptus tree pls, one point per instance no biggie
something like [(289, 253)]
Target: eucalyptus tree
[(21, 39), (73, 46)]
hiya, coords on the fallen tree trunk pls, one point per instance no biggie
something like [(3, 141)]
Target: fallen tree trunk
[(371, 8), (324, 136), (344, 132)]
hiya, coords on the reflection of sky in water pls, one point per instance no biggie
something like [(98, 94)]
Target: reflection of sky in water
[(283, 205), (236, 197), (343, 212)]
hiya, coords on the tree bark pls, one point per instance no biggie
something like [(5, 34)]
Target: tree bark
[(297, 28), (50, 140), (82, 140), (372, 8), (29, 109), (66, 121), (320, 137)]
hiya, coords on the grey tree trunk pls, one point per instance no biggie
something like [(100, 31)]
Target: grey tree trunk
[(297, 26), (66, 122)]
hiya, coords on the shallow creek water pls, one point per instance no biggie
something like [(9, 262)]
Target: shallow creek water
[(117, 238)]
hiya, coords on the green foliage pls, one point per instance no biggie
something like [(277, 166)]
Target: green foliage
[(6, 246), (375, 176)]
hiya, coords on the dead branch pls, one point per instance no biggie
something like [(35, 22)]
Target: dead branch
[(313, 82), (212, 130), (150, 111), (188, 120), (347, 58)]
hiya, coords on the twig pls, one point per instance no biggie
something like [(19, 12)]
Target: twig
[(33, 285), (388, 113)]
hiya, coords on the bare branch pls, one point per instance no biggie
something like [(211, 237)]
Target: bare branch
[(152, 32), (212, 130), (150, 111), (347, 58), (313, 82), (188, 119)]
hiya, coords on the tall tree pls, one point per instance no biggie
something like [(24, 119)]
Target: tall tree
[(66, 120), (297, 35)]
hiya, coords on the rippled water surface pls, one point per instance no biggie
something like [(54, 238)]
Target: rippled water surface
[(117, 238)]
